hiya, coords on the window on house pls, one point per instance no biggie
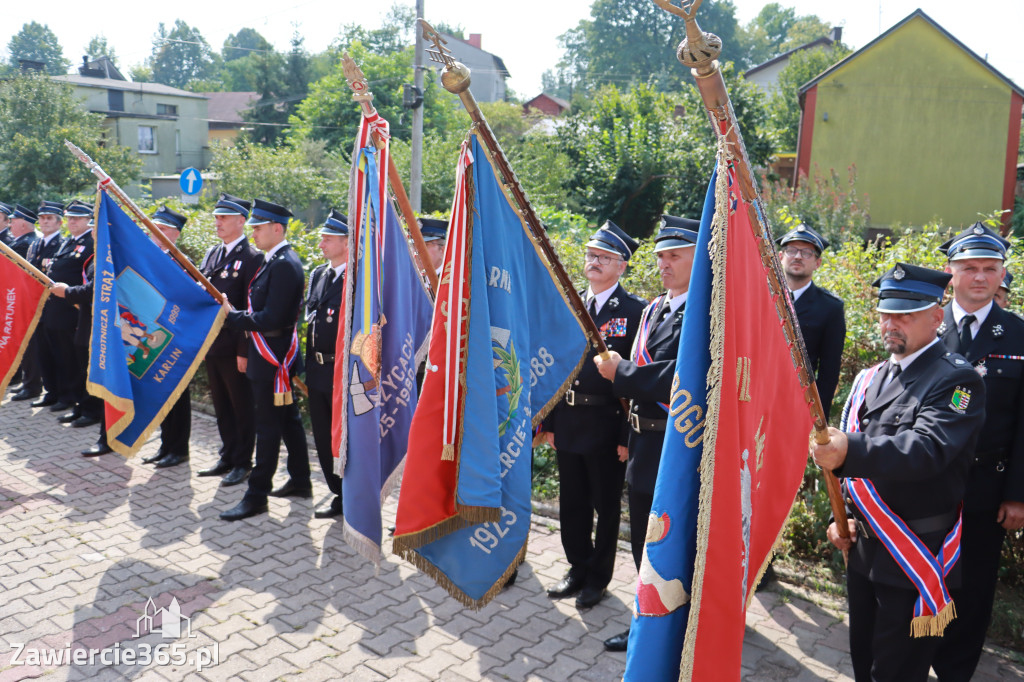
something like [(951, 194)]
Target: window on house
[(147, 140), (115, 100), (166, 109)]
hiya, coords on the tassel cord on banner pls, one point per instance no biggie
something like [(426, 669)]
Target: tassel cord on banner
[(699, 51), (107, 184), (455, 79)]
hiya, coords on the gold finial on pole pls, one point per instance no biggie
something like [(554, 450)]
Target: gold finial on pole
[(356, 79)]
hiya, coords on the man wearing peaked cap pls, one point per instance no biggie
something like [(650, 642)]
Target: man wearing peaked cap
[(992, 341), (271, 319), (23, 229), (435, 232), (176, 428), (5, 222), (903, 449), (646, 379), (819, 312), (230, 266), (589, 431), (323, 313)]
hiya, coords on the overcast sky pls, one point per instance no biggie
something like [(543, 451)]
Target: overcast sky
[(523, 33)]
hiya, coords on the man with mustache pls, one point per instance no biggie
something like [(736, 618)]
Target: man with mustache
[(903, 449), (992, 340), (589, 430), (646, 378)]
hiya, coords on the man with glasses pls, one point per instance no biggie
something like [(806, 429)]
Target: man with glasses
[(819, 312), (646, 378), (589, 430)]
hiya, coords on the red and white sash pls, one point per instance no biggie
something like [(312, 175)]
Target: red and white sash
[(640, 355), (282, 379), (934, 608)]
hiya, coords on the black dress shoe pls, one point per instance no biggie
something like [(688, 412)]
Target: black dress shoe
[(618, 642), (329, 510), (96, 450), (46, 401), (244, 510), (293, 489), (58, 406), (24, 395), (69, 417), (236, 476), (589, 597), (171, 460), (566, 587), (85, 421), (160, 454), (511, 580), (218, 469)]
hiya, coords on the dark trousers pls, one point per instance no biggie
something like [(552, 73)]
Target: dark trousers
[(320, 411), (275, 423), (70, 380), (232, 402), (88, 405), (177, 426), (639, 511), (980, 550), (587, 484), (31, 376), (880, 643)]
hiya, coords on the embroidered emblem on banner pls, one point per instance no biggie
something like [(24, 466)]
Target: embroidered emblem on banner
[(960, 400), (614, 328)]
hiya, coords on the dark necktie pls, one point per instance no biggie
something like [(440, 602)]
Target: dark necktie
[(965, 333), (592, 307), (218, 256), (330, 278), (894, 371)]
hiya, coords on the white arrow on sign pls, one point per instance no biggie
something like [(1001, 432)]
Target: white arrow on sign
[(191, 177)]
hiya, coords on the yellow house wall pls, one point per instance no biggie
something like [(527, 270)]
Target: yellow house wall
[(924, 123)]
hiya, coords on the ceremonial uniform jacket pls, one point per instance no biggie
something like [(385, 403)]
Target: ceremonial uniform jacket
[(823, 324), (67, 266), (590, 418), (42, 252), (81, 296), (647, 386), (997, 353), (231, 276), (323, 310), (5, 236), (22, 244), (915, 446), (276, 295)]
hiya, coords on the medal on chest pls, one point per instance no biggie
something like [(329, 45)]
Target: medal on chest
[(330, 315)]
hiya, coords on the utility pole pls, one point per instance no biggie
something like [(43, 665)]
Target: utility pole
[(416, 162)]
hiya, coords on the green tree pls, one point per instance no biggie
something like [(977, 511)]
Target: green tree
[(36, 42), (777, 29), (394, 35), (784, 103), (243, 44), (36, 115), (634, 41), (99, 47), (181, 54)]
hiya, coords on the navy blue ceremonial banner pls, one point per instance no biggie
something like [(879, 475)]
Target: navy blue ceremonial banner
[(661, 605), (151, 326), (505, 345)]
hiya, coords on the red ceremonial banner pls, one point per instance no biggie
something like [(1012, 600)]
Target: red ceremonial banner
[(759, 448), (23, 298)]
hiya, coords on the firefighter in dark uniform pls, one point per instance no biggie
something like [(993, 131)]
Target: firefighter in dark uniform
[(992, 340), (819, 312), (22, 237), (176, 428), (6, 210), (81, 296), (23, 230), (230, 266), (275, 302), (1002, 297), (435, 232), (41, 375), (589, 431), (646, 379), (323, 310), (908, 434)]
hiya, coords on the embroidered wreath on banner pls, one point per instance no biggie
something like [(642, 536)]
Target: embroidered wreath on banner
[(508, 361)]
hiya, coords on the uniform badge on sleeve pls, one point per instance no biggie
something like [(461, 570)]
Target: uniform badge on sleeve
[(960, 400)]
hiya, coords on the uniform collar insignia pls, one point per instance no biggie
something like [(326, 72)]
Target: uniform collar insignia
[(942, 329), (997, 330), (613, 302)]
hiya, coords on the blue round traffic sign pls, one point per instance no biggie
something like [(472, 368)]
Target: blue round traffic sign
[(191, 181)]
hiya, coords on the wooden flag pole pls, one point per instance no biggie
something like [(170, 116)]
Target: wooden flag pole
[(107, 183), (455, 79), (19, 260), (361, 93), (699, 51)]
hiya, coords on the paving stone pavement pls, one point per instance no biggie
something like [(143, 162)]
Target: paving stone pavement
[(87, 542)]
